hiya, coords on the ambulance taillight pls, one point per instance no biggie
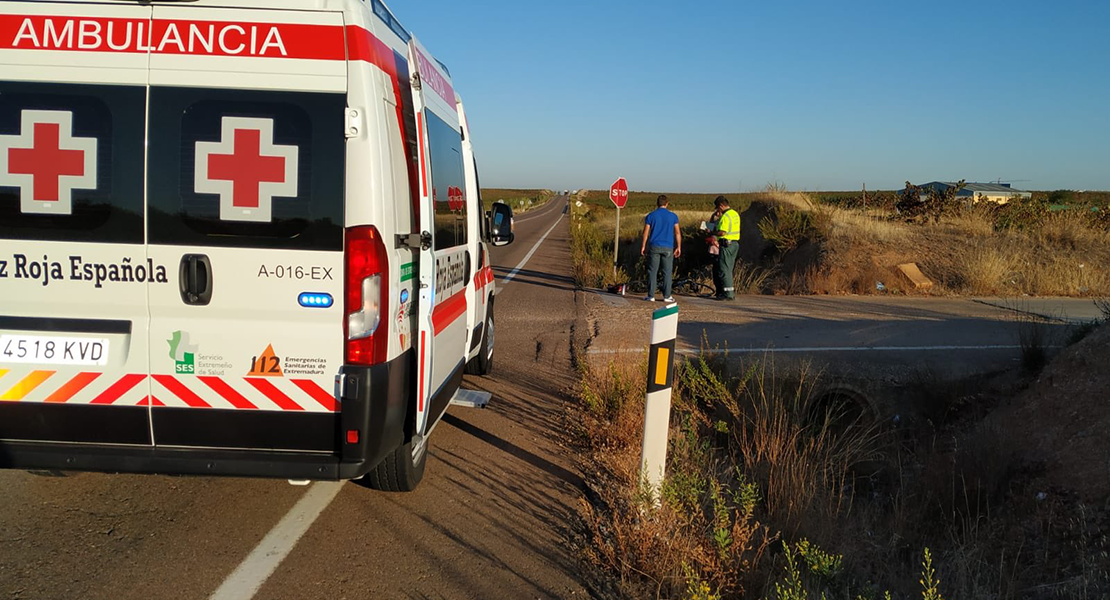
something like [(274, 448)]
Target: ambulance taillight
[(367, 293)]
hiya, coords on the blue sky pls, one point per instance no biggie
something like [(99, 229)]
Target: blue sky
[(818, 95)]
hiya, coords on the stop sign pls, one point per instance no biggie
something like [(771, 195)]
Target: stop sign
[(618, 192)]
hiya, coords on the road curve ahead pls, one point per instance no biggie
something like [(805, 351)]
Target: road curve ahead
[(490, 519)]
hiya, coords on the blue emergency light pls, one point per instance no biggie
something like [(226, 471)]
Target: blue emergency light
[(315, 300)]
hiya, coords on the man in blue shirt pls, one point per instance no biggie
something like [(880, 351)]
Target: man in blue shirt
[(662, 243)]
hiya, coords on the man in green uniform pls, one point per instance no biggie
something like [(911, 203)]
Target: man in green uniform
[(728, 236)]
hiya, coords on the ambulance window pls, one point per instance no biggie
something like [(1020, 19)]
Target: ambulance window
[(448, 184), (72, 162), (238, 168)]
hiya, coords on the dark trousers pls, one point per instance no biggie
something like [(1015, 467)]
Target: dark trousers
[(722, 273), (657, 255)]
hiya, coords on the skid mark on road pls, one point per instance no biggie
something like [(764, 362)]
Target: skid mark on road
[(528, 256), (247, 579)]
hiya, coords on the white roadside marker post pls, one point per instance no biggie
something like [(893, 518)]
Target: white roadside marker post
[(657, 408)]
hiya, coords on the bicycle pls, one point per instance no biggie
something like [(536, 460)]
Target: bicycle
[(691, 285)]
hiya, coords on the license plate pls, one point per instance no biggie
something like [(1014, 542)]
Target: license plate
[(53, 350)]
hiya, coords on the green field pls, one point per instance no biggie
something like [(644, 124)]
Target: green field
[(522, 200)]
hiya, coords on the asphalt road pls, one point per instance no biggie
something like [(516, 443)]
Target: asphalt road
[(878, 348), (490, 520)]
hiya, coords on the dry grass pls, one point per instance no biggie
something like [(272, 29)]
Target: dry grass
[(851, 251), (760, 471), (795, 446), (964, 253), (752, 459), (989, 270)]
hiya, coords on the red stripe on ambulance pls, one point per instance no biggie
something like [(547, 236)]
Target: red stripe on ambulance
[(199, 38), (318, 394), (118, 389), (364, 46), (178, 389), (420, 397), (275, 395), (448, 311), (224, 390)]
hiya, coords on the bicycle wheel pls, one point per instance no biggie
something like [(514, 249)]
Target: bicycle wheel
[(690, 287), (636, 286)]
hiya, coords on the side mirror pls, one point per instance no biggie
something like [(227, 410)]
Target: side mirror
[(500, 224)]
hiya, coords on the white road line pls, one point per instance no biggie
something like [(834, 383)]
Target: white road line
[(248, 578), (506, 279), (773, 350)]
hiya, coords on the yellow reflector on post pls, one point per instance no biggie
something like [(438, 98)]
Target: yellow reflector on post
[(661, 366)]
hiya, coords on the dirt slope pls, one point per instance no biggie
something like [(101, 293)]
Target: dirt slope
[(1063, 419)]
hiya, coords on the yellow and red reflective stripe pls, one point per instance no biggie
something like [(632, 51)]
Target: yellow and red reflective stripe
[(126, 383), (26, 385), (71, 387)]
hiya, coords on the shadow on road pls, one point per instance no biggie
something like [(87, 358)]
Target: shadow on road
[(515, 451), (539, 278)]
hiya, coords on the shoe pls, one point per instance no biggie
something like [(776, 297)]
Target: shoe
[(668, 299), (649, 298)]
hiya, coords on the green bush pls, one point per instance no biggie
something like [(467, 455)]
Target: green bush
[(1024, 214), (787, 228)]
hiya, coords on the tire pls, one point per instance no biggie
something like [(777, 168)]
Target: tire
[(400, 471), (483, 363), (694, 288)]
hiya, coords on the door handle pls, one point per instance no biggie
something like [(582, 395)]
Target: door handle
[(196, 279)]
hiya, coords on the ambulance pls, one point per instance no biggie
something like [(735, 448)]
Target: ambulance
[(237, 237)]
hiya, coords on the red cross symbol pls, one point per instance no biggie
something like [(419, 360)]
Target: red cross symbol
[(246, 169), (46, 162)]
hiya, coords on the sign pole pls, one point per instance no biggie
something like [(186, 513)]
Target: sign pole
[(618, 194), (616, 241), (657, 409)]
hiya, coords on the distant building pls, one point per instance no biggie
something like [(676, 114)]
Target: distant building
[(975, 192)]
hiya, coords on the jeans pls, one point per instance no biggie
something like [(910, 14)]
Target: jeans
[(657, 254)]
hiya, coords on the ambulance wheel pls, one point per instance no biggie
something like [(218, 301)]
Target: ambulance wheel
[(402, 470), (483, 363)]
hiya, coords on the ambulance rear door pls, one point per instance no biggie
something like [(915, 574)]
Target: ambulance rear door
[(246, 204), (73, 265), (445, 268)]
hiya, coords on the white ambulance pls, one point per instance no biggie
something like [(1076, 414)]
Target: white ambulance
[(237, 237)]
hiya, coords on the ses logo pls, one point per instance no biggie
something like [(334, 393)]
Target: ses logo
[(183, 353)]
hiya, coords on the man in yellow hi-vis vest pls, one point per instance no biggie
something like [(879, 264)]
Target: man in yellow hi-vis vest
[(728, 236)]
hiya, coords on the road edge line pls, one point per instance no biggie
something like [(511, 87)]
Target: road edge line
[(245, 581)]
